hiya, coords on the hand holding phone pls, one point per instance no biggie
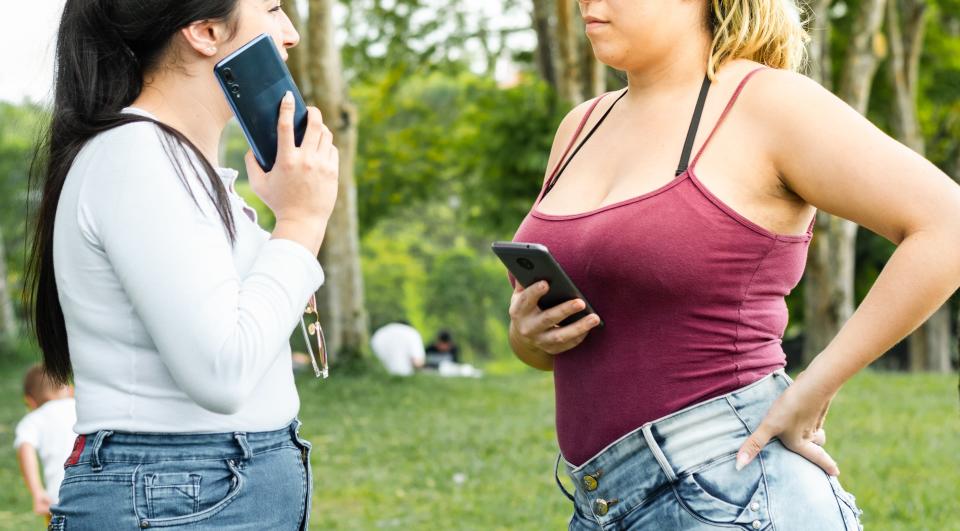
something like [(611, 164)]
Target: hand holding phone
[(254, 79), (542, 330), (301, 189), (548, 313)]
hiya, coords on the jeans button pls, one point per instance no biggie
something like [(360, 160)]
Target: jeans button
[(756, 524), (590, 483), (754, 506), (600, 507)]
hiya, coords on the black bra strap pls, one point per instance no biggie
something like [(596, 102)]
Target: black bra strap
[(579, 146), (694, 126)]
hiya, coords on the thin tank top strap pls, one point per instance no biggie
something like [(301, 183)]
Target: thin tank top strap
[(694, 127), (551, 180), (726, 111)]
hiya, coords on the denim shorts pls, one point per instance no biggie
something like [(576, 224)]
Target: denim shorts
[(236, 480), (678, 473)]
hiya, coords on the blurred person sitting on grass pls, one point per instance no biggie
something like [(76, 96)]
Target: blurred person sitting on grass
[(443, 349), (399, 347), (46, 431)]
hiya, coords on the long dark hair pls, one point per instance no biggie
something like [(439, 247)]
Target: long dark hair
[(104, 49)]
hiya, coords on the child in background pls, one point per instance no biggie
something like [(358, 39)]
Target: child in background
[(46, 431)]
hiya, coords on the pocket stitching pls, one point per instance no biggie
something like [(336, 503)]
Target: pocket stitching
[(209, 512)]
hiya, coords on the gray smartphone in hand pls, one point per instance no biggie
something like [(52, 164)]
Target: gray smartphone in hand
[(530, 263)]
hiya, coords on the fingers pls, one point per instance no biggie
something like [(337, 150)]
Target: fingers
[(563, 339), (553, 316), (752, 446), (818, 456), (315, 130), (285, 139), (254, 171), (819, 437), (527, 300)]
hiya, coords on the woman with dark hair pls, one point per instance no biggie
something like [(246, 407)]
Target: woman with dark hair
[(677, 414), (152, 283)]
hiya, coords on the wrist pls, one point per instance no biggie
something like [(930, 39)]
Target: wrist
[(822, 378), (308, 232)]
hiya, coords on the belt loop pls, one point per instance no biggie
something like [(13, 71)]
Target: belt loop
[(658, 453), (295, 429), (556, 476), (241, 438), (95, 464)]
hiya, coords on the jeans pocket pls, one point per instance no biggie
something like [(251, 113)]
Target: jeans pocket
[(848, 506), (182, 492), (172, 494), (716, 493), (57, 523)]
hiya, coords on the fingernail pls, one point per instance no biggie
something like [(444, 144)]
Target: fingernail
[(742, 460), (288, 97)]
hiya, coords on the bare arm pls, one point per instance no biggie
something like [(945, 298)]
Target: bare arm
[(30, 469), (838, 161)]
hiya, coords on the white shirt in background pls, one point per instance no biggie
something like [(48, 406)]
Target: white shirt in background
[(170, 328), (49, 429), (399, 347)]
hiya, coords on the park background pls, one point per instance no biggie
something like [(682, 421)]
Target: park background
[(444, 113)]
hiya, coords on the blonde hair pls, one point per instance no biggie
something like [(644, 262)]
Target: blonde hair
[(770, 32)]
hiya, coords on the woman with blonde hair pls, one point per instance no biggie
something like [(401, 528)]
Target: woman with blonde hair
[(677, 414)]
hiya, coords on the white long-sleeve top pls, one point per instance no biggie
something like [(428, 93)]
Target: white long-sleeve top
[(171, 329)]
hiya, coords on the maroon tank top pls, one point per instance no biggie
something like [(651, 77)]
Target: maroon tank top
[(691, 293)]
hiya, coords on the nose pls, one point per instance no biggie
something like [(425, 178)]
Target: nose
[(290, 35)]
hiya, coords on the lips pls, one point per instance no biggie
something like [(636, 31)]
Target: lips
[(594, 22)]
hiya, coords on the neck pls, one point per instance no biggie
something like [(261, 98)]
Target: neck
[(190, 103), (670, 74)]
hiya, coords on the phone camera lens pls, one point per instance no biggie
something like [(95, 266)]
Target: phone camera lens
[(525, 263), (228, 74)]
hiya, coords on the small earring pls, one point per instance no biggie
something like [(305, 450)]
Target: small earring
[(212, 49)]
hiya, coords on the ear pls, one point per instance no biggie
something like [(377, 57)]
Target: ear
[(31, 403), (205, 36)]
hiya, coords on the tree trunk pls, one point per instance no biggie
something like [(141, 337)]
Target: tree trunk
[(595, 80), (546, 63), (820, 67), (341, 298), (829, 285), (8, 320), (297, 62), (930, 345), (569, 82)]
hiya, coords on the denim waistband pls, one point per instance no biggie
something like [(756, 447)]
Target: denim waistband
[(669, 448), (107, 446)]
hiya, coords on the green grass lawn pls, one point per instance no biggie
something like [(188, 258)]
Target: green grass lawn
[(429, 453)]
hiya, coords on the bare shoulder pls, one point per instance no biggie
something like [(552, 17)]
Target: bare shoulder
[(782, 99)]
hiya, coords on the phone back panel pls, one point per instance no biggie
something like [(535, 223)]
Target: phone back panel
[(254, 79), (531, 263)]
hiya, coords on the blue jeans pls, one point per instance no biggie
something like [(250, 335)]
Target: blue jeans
[(223, 481), (678, 473)]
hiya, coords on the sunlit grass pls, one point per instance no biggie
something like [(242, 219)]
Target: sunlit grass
[(431, 453)]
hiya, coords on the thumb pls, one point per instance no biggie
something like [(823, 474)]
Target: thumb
[(254, 172), (752, 446)]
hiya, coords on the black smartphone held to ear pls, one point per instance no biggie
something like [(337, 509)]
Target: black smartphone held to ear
[(530, 263), (254, 79)]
